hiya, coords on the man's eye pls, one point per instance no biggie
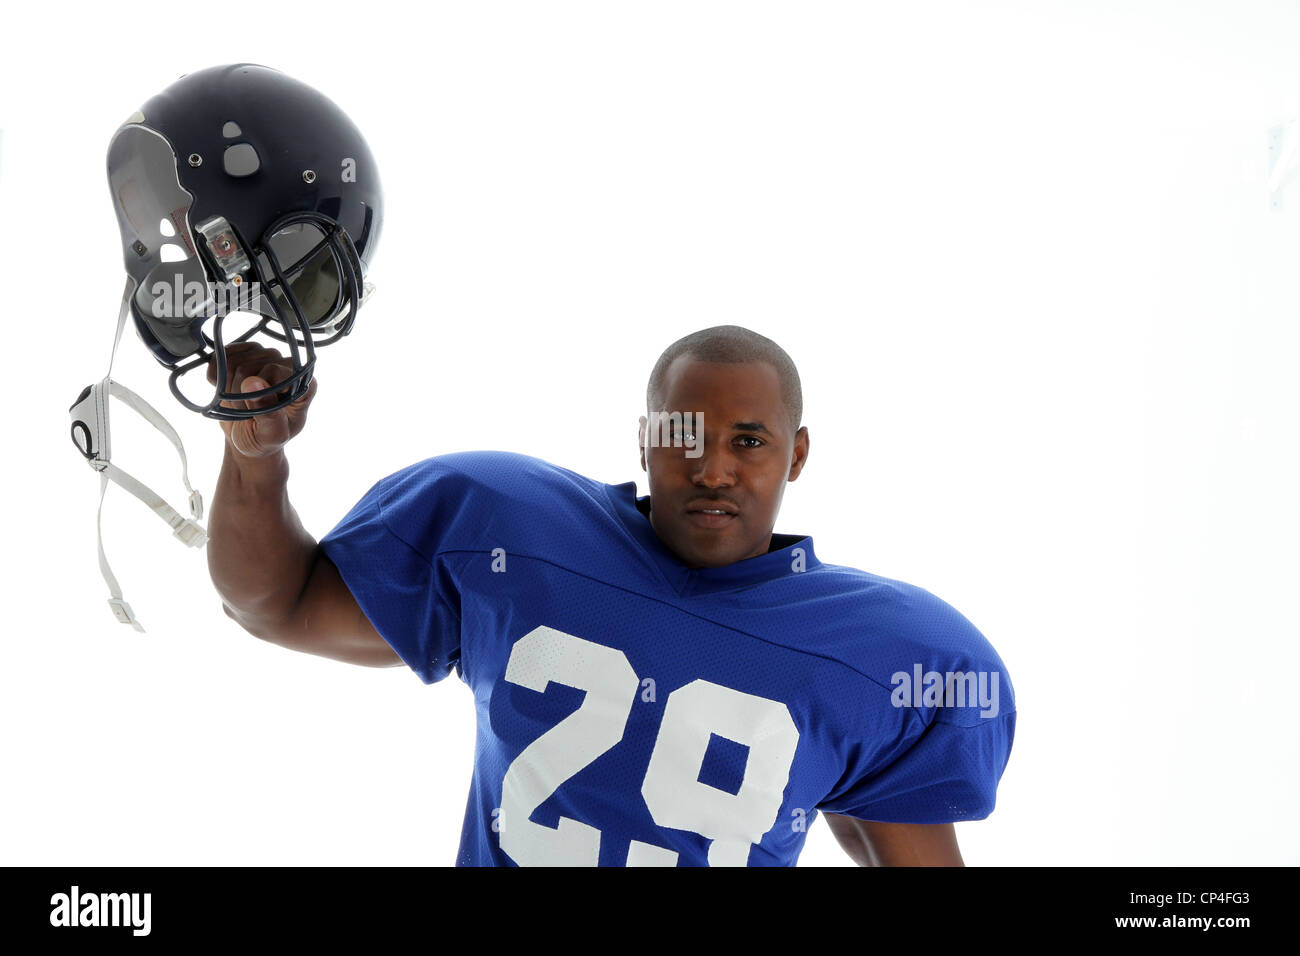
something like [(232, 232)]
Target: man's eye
[(757, 442)]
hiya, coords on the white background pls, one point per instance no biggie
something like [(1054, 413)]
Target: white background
[(1022, 253)]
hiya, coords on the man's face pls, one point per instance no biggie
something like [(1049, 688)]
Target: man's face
[(744, 451)]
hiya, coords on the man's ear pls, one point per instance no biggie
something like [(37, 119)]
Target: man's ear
[(800, 453), (640, 439)]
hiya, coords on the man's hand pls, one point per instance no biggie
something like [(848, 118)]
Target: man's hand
[(250, 367), (896, 844)]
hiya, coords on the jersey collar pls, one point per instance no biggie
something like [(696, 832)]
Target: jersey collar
[(790, 554)]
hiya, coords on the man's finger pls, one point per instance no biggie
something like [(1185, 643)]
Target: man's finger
[(251, 363), (270, 430), (297, 409), (252, 383), (234, 354)]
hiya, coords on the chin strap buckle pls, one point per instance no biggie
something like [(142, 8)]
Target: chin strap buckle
[(122, 611), (190, 532)]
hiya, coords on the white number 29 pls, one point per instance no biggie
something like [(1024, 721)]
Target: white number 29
[(671, 788)]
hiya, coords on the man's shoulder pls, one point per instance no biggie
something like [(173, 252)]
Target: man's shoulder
[(502, 475), (877, 594), (485, 467), (484, 500), (883, 626)]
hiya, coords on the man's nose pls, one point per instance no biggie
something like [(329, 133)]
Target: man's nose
[(714, 469)]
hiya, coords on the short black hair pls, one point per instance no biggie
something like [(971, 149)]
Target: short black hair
[(732, 345)]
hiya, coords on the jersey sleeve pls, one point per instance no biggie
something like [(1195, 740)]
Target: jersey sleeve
[(387, 549), (944, 738), (946, 773)]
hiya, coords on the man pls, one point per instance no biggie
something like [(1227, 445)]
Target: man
[(658, 681)]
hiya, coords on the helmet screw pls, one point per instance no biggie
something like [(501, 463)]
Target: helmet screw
[(138, 248), (196, 159), (308, 176)]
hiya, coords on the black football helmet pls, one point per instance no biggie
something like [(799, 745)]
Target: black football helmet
[(239, 189)]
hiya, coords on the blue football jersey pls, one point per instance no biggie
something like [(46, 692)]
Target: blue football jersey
[(633, 711)]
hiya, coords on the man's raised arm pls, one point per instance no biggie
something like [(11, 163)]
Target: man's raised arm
[(272, 576)]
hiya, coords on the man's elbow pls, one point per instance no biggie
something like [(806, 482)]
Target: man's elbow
[(259, 627)]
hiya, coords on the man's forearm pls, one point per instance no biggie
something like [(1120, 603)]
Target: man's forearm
[(259, 554)]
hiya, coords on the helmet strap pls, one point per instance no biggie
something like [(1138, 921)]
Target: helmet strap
[(91, 435)]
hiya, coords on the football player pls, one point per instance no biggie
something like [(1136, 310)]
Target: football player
[(659, 681)]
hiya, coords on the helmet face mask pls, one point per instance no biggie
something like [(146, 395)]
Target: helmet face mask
[(240, 190)]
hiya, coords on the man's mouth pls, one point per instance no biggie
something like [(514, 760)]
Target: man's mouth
[(711, 514)]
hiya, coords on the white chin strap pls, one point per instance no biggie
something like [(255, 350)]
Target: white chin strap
[(90, 433)]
